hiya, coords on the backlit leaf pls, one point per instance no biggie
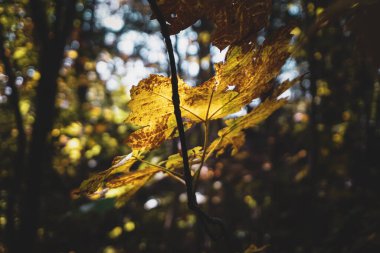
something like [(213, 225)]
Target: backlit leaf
[(121, 165), (151, 109), (233, 135), (234, 20), (125, 186), (247, 73)]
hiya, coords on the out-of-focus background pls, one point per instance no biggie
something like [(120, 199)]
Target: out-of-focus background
[(307, 179)]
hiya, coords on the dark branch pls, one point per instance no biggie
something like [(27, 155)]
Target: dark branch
[(214, 227), (176, 103)]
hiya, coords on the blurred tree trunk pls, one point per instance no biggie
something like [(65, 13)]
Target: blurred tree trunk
[(15, 174), (38, 163)]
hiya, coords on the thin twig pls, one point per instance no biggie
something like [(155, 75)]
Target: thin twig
[(184, 108), (176, 104), (211, 224), (173, 174), (205, 143)]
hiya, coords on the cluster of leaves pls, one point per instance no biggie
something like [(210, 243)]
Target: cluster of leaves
[(249, 72)]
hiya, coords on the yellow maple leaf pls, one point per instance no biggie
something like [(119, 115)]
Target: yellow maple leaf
[(233, 135), (118, 174), (121, 183), (247, 73), (123, 187), (152, 109)]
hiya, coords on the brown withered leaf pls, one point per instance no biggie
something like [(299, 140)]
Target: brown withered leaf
[(247, 73), (234, 20), (233, 134)]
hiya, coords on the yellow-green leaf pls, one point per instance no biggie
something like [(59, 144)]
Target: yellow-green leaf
[(120, 166), (247, 73), (233, 135), (125, 186)]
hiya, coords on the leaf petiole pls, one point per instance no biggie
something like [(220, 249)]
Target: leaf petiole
[(172, 174)]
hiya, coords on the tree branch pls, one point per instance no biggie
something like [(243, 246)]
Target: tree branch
[(176, 103), (214, 227)]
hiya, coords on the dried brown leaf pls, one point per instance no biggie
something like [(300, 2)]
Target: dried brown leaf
[(234, 20)]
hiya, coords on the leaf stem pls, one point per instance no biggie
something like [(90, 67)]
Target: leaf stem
[(212, 150), (172, 174), (184, 108), (205, 143), (203, 158), (176, 103), (210, 224), (224, 105)]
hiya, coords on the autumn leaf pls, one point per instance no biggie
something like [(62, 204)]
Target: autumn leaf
[(121, 183), (118, 181), (234, 20), (254, 249), (152, 109), (120, 164), (123, 187), (233, 135), (247, 73)]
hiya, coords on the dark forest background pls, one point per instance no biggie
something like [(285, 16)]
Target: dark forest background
[(307, 179)]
